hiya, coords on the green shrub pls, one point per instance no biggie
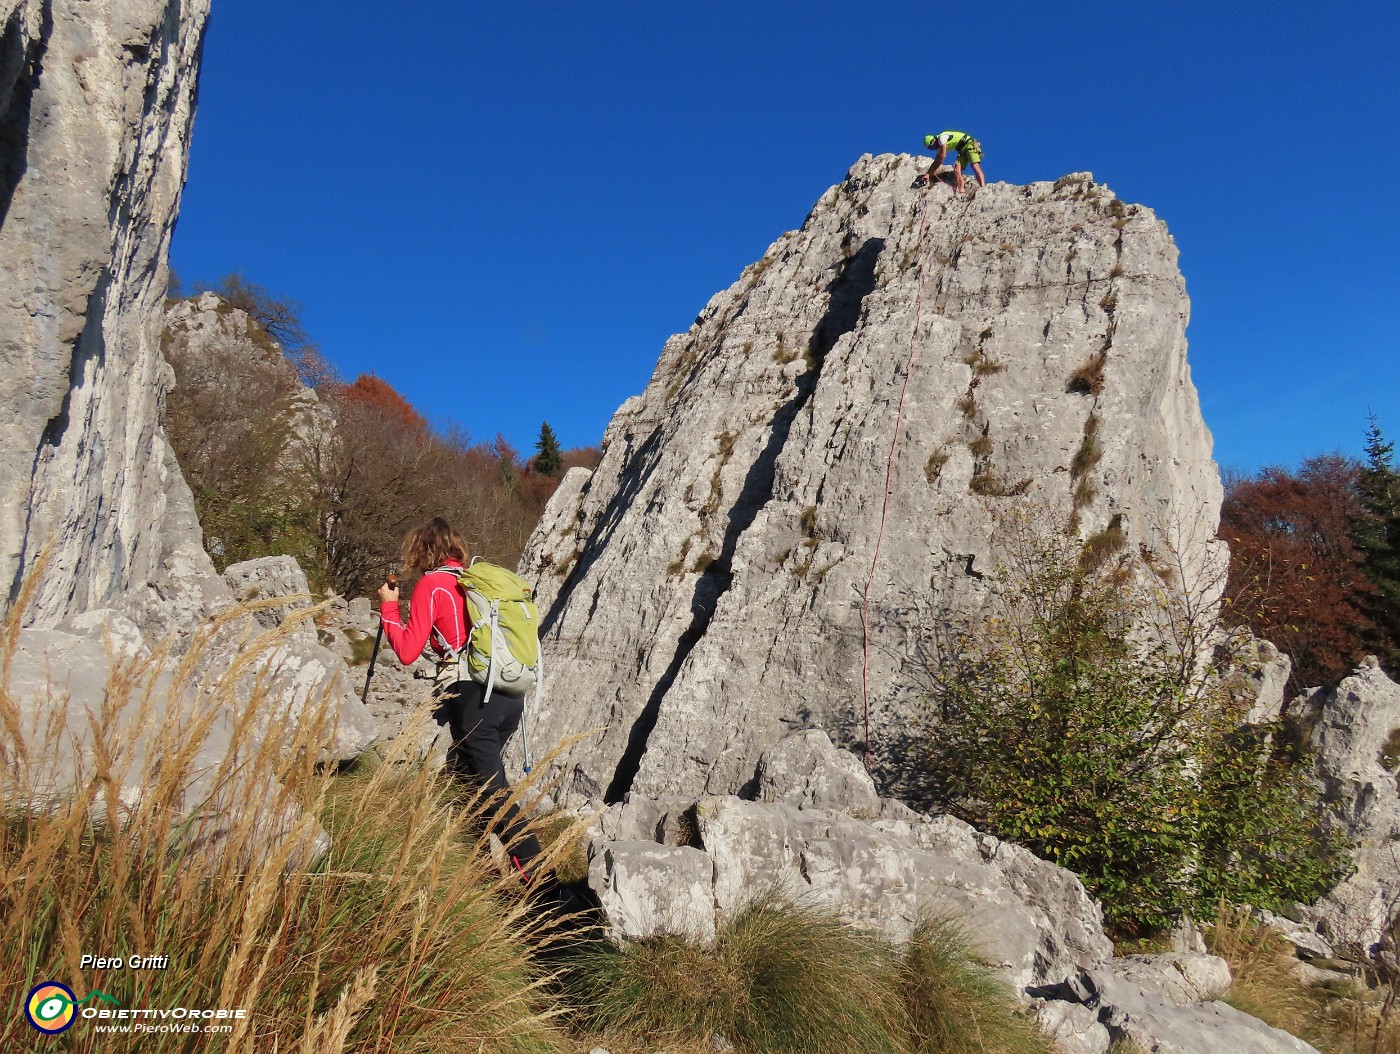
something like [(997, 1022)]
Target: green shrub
[(1073, 719)]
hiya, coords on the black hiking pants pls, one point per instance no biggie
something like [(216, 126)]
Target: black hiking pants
[(479, 733)]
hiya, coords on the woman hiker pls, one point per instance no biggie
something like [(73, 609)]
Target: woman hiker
[(437, 615)]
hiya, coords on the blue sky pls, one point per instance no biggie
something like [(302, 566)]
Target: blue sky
[(505, 210)]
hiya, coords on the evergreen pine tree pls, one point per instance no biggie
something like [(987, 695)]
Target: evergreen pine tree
[(1377, 532), (547, 461)]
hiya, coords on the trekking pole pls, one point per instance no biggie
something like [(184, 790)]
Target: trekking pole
[(392, 580)]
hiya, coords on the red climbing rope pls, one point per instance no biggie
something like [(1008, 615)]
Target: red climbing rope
[(889, 473)]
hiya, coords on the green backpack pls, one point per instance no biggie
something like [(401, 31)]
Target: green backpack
[(502, 652)]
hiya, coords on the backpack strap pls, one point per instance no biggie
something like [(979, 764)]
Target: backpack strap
[(452, 653), (529, 757), (495, 624)]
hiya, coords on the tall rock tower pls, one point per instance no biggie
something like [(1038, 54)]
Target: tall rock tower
[(96, 108), (705, 585)]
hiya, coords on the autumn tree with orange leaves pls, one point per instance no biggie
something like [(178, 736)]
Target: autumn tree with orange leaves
[(1297, 576), (336, 491)]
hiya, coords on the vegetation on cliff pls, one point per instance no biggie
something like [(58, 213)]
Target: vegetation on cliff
[(1315, 560), (1079, 716), (284, 457)]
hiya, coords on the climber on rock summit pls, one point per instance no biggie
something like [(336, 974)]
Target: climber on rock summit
[(969, 153)]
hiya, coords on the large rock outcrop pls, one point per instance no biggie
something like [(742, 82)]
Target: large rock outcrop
[(96, 106), (1355, 738), (685, 866), (98, 531), (704, 587)]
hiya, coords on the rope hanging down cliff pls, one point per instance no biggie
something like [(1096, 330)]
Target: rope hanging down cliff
[(889, 473)]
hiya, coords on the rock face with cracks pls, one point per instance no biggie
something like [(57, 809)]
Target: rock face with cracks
[(98, 534), (1355, 740), (704, 587), (96, 106)]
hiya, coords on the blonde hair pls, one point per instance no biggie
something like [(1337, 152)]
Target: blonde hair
[(432, 545)]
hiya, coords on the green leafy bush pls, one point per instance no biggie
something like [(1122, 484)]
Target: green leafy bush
[(1079, 718)]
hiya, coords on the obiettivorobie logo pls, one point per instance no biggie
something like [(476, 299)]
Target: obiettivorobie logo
[(52, 1007)]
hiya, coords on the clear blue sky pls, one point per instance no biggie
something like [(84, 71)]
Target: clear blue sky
[(505, 209)]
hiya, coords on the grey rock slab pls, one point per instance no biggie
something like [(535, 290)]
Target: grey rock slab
[(704, 585), (666, 821), (806, 770), (1305, 939), (272, 578), (1178, 977), (649, 890), (1137, 1015), (1352, 725), (1029, 918)]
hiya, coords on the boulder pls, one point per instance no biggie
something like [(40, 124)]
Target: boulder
[(1072, 1028), (1163, 1015), (1356, 743), (1031, 919), (806, 770), (649, 890), (1178, 977), (273, 578)]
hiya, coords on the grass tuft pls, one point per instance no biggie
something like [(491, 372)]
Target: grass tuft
[(777, 979), (991, 484), (1089, 379), (781, 979), (933, 468), (955, 1005)]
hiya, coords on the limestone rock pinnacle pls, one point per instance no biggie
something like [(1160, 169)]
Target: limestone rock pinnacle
[(704, 587)]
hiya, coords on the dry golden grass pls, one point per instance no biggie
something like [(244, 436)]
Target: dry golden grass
[(782, 978), (1346, 1018), (404, 936)]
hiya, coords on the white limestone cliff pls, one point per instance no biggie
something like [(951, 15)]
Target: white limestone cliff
[(704, 587), (97, 528)]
